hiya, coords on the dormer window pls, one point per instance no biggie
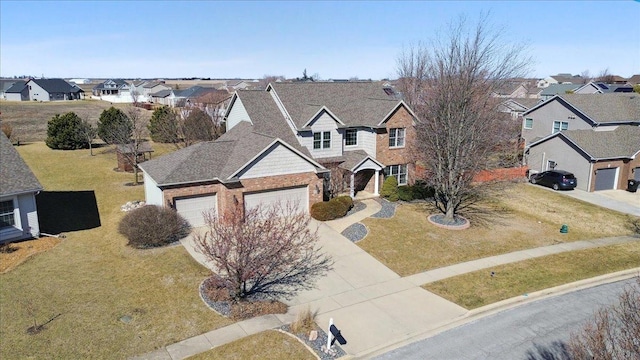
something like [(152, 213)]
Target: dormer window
[(396, 137), (351, 137), (322, 140)]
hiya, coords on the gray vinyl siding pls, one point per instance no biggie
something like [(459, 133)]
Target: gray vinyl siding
[(366, 141), (29, 215), (566, 156), (36, 93), (237, 113), (323, 123), (277, 160), (152, 193), (544, 117)]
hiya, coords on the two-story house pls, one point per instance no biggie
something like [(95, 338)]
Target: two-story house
[(595, 136), (282, 144), (113, 90)]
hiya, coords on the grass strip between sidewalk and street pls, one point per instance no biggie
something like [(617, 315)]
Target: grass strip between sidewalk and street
[(479, 288), (267, 345)]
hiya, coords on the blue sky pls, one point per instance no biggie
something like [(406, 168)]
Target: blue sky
[(217, 39)]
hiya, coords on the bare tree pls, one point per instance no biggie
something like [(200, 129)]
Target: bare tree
[(614, 331), (268, 251), (88, 133), (458, 128), (267, 79), (336, 181), (128, 135), (586, 76), (605, 76), (412, 73)]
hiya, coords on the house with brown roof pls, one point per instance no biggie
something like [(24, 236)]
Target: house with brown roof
[(18, 189), (596, 136), (282, 144)]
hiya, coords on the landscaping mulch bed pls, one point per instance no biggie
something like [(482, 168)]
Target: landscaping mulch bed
[(357, 206), (16, 253), (355, 232), (387, 211), (318, 344), (218, 300)]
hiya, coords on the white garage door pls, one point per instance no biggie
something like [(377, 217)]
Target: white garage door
[(606, 178), (193, 208), (636, 174), (297, 196)]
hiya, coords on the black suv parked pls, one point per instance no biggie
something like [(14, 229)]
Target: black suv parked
[(556, 179)]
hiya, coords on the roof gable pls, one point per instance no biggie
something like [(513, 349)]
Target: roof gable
[(612, 108), (56, 86)]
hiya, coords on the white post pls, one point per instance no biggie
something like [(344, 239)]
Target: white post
[(329, 335), (352, 192), (375, 189)]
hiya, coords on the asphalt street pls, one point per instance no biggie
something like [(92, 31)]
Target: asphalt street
[(534, 331)]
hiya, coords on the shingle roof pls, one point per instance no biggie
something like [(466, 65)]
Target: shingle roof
[(606, 108), (161, 93), (574, 79), (354, 103), (16, 177), (17, 87), (56, 86), (558, 89), (209, 161), (635, 79), (267, 118), (623, 142), (526, 102)]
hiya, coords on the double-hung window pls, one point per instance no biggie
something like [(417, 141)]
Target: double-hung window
[(7, 214), (396, 137), (322, 140), (399, 172), (559, 126), (528, 123), (351, 137)]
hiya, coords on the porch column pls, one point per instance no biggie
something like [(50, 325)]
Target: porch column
[(351, 190), (375, 186)]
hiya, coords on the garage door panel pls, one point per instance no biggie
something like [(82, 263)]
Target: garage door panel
[(606, 179), (636, 174), (193, 208), (298, 196)]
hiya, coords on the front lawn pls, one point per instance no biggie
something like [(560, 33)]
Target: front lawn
[(267, 345), (104, 299), (520, 217), (478, 288)]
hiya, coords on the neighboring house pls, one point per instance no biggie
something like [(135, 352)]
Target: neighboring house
[(557, 89), (143, 89), (596, 136), (180, 98), (280, 144), (601, 159), (234, 85), (634, 80), (17, 92), (113, 90), (80, 81), (516, 107), (512, 89), (6, 84), (576, 112), (18, 190), (561, 79), (602, 88), (47, 90)]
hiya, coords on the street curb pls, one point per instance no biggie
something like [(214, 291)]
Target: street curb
[(507, 304)]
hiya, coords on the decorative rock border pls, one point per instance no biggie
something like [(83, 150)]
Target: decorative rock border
[(460, 223), (355, 232), (388, 209)]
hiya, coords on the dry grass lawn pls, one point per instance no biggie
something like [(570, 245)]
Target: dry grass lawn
[(17, 253), (522, 217), (478, 288), (92, 279), (268, 345), (29, 118)]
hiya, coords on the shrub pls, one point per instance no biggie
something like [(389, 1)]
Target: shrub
[(65, 132), (390, 189), (330, 210), (405, 193), (163, 126), (345, 200), (114, 127), (153, 226), (305, 321)]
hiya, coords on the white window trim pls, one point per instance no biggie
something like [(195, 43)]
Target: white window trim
[(525, 123), (398, 173), (560, 122), (404, 138), (16, 229), (345, 138), (322, 140)]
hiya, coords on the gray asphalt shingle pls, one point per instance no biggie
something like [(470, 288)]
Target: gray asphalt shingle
[(15, 175), (623, 142)]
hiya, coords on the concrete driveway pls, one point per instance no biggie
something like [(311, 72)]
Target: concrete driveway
[(619, 200)]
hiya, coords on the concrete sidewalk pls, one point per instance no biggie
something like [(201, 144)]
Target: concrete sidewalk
[(373, 306), (618, 200)]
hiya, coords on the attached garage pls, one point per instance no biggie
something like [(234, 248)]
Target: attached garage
[(606, 179), (636, 174), (296, 195), (193, 208)]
